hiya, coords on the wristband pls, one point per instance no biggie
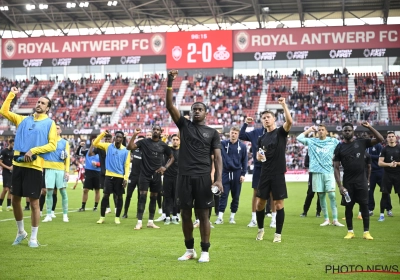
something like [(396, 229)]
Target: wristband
[(169, 83), (169, 88)]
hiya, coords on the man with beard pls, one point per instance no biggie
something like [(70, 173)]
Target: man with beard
[(350, 154), (198, 142), (27, 177)]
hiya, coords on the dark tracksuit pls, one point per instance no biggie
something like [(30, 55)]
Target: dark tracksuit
[(376, 176), (234, 162), (252, 137), (310, 193)]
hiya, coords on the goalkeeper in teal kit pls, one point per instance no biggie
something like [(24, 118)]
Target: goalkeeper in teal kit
[(321, 151)]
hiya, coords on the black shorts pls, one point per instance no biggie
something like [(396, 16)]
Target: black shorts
[(102, 179), (26, 182), (7, 179), (256, 177), (389, 181), (275, 184), (153, 182), (169, 187), (358, 193), (194, 191), (92, 183), (113, 185)]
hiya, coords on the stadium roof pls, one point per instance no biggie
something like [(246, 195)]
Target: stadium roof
[(135, 14)]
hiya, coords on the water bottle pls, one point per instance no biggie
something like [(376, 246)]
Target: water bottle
[(22, 159), (261, 151), (215, 190), (347, 196)]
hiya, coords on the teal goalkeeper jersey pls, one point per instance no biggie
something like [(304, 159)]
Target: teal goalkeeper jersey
[(320, 153)]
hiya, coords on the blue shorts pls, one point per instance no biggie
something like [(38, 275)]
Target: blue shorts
[(323, 182), (54, 178)]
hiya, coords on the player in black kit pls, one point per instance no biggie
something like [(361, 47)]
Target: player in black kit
[(151, 170), (133, 177), (6, 158), (389, 159), (169, 184), (194, 183), (350, 153)]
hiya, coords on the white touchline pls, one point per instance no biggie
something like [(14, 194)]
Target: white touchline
[(28, 217)]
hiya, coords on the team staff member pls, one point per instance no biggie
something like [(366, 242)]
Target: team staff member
[(376, 176), (198, 141), (350, 153), (151, 170), (234, 162), (92, 175), (389, 159), (6, 157), (41, 132), (133, 177), (57, 165), (272, 181), (117, 172)]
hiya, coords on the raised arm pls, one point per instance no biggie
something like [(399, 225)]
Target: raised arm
[(131, 145), (288, 118), (97, 142), (302, 137), (378, 137), (5, 108), (173, 111)]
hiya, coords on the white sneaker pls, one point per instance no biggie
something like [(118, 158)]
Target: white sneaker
[(326, 223), (272, 224), (160, 219), (205, 257), (336, 223), (260, 234), (277, 238), (108, 210), (189, 254), (65, 219), (160, 211), (33, 243), (252, 223), (269, 215), (196, 224), (219, 221), (53, 216), (232, 221), (211, 225), (20, 237), (47, 219)]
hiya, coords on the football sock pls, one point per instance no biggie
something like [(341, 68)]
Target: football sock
[(49, 201), (260, 218), (280, 219), (324, 208), (64, 197), (332, 199)]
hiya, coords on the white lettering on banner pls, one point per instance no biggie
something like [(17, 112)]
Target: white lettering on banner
[(32, 62), (37, 48), (130, 59), (61, 61), (374, 52), (83, 131), (265, 56), (350, 37), (143, 44), (297, 55), (95, 46), (340, 53), (100, 60)]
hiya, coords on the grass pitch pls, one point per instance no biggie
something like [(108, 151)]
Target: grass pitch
[(82, 249)]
